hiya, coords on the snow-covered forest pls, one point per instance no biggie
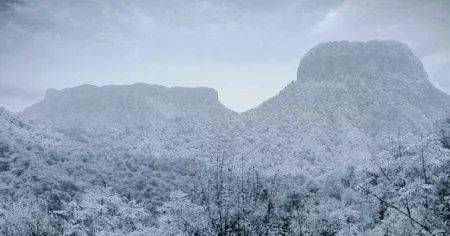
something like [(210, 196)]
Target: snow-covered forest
[(358, 144)]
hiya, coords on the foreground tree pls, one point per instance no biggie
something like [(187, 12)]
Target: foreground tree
[(410, 181)]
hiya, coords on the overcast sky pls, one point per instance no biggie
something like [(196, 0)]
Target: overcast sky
[(246, 49)]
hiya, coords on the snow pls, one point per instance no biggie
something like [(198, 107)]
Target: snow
[(361, 120)]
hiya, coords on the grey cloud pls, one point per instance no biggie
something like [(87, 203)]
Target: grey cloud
[(7, 5)]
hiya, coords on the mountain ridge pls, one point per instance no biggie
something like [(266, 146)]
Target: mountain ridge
[(347, 94), (125, 105)]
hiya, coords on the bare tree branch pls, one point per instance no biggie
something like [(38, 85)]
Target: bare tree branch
[(426, 228)]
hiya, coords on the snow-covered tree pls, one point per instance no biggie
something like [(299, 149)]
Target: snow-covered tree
[(102, 212)]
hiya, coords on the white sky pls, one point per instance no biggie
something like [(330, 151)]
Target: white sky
[(247, 50)]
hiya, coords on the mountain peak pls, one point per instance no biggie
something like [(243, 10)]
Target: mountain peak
[(341, 59), (377, 86)]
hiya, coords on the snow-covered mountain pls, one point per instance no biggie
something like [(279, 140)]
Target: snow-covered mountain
[(140, 138), (102, 109), (377, 86), (139, 118), (348, 97)]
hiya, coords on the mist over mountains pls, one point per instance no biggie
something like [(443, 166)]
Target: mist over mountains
[(357, 144)]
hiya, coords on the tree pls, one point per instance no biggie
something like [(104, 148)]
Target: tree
[(102, 212), (181, 216), (410, 185), (28, 216)]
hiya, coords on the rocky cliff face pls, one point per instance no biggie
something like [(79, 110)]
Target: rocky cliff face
[(338, 61)]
